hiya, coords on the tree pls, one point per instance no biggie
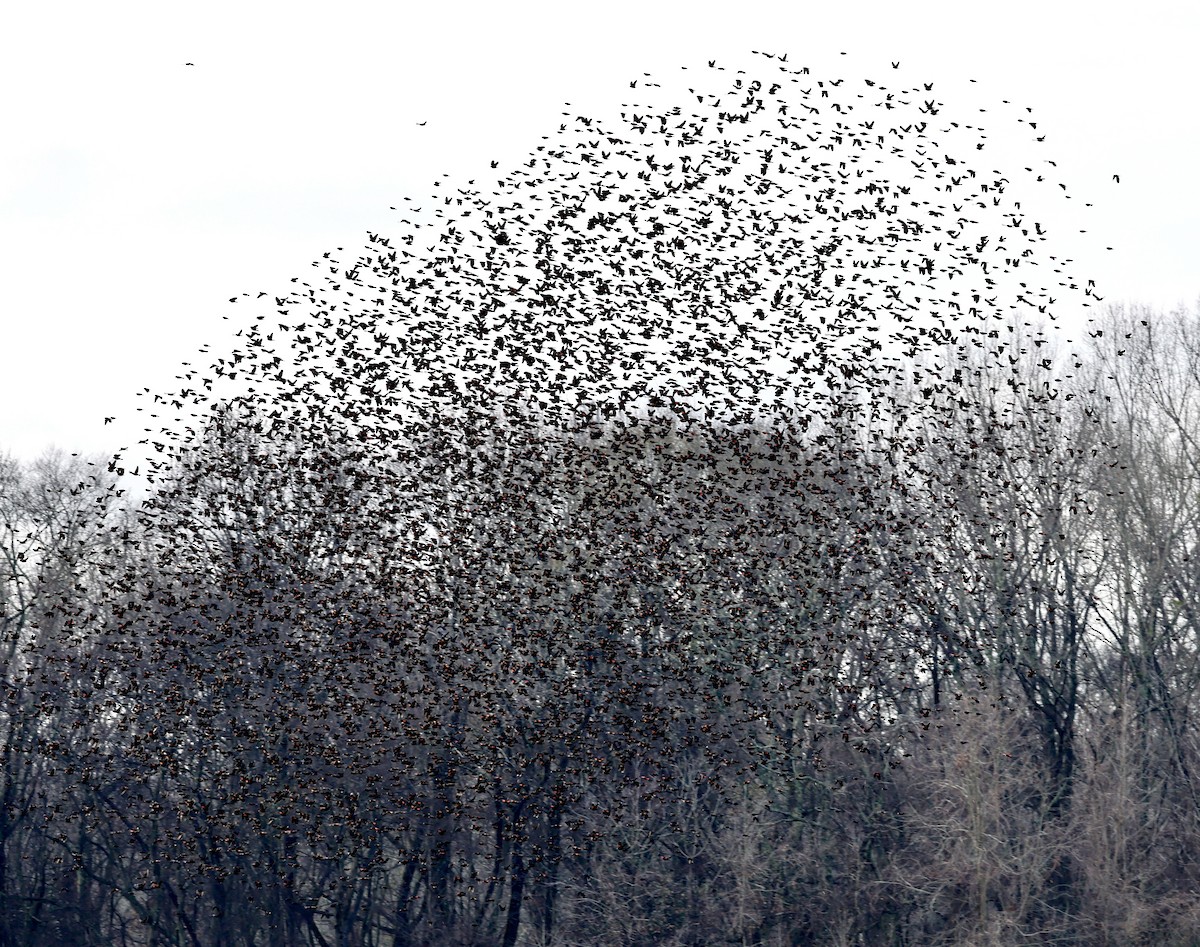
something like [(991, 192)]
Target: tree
[(55, 555), (1137, 828)]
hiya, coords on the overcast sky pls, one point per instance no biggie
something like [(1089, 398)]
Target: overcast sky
[(138, 193)]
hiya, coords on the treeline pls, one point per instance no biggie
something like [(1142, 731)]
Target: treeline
[(881, 680)]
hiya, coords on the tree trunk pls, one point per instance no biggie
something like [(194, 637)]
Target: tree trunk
[(516, 894)]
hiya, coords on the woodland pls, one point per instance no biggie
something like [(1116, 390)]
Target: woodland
[(643, 684)]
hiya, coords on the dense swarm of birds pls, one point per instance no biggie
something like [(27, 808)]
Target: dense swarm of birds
[(637, 454)]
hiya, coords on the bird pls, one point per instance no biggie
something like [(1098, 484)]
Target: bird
[(1117, 178)]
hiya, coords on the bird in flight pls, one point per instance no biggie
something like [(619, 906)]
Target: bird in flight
[(1117, 178), (189, 64)]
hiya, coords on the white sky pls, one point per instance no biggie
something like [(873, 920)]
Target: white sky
[(137, 194)]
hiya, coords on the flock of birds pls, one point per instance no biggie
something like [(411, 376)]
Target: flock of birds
[(684, 251), (779, 251)]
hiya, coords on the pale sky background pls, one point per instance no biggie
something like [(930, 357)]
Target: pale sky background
[(138, 194)]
